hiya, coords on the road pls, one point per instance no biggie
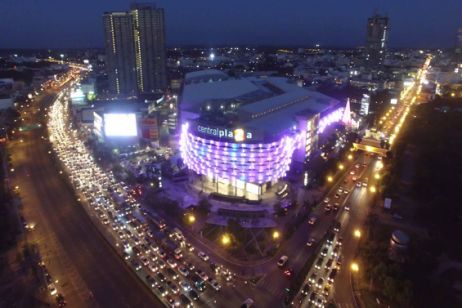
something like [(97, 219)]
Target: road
[(88, 270)]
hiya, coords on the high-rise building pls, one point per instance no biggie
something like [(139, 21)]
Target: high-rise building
[(149, 40), (377, 37), (459, 41), (120, 60), (135, 48)]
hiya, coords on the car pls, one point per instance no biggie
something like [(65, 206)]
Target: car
[(332, 275), (326, 200), (289, 272), (215, 285), (173, 287), (202, 274), (145, 261), (160, 264), (365, 183), (339, 191), (312, 220), (163, 291), (172, 274), (185, 302), (193, 295), (185, 285), (329, 263), (282, 260), (345, 191), (203, 256), (335, 208), (161, 277), (171, 301), (171, 262), (336, 251), (312, 278), (60, 300), (327, 208), (190, 247), (306, 289), (311, 241), (319, 263), (352, 172), (337, 226), (153, 267), (247, 303), (320, 283), (189, 266), (326, 291), (135, 265), (354, 178), (337, 196), (358, 184), (347, 207), (162, 254), (183, 270), (340, 241), (151, 281)]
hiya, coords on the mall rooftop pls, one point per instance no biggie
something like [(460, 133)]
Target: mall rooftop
[(269, 104)]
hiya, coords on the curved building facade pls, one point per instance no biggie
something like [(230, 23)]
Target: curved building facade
[(241, 136)]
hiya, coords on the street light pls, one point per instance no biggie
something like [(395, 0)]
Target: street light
[(372, 189), (330, 179), (191, 218), (357, 233), (350, 157), (225, 239), (377, 176), (354, 267), (341, 166), (276, 235)]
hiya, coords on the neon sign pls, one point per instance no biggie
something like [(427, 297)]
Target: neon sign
[(237, 134)]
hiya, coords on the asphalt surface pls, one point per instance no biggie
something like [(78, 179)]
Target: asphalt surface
[(88, 270)]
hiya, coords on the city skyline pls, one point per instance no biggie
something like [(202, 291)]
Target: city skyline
[(211, 24)]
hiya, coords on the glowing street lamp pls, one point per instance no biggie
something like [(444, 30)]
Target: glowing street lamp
[(357, 233), (330, 179), (354, 267), (276, 235), (377, 176), (350, 157), (191, 218), (225, 239), (372, 189), (341, 166)]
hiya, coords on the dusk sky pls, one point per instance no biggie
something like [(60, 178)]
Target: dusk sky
[(78, 23)]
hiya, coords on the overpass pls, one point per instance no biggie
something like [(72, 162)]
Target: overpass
[(371, 146)]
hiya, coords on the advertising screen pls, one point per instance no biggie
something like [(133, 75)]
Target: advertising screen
[(120, 125)]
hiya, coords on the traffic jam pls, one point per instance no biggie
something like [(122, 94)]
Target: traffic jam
[(161, 256)]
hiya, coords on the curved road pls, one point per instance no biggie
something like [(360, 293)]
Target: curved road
[(88, 270)]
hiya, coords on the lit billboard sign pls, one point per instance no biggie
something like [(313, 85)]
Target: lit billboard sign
[(120, 125), (237, 134)]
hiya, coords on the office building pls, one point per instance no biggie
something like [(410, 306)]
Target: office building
[(376, 40), (135, 48)]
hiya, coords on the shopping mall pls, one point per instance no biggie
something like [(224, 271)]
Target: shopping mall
[(240, 136)]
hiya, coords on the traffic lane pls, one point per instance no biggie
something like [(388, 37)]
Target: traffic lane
[(360, 200), (102, 270)]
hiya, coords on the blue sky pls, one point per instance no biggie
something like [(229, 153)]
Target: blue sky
[(78, 23)]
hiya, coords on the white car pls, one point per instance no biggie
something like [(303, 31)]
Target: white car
[(203, 256), (282, 261)]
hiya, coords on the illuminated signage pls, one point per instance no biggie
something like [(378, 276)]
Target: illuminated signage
[(237, 134)]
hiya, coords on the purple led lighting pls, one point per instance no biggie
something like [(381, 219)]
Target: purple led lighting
[(251, 163), (334, 116)]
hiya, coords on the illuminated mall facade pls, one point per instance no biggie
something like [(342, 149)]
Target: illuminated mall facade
[(239, 136)]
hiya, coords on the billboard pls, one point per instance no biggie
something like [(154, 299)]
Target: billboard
[(120, 125)]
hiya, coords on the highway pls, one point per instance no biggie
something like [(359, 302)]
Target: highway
[(88, 270)]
